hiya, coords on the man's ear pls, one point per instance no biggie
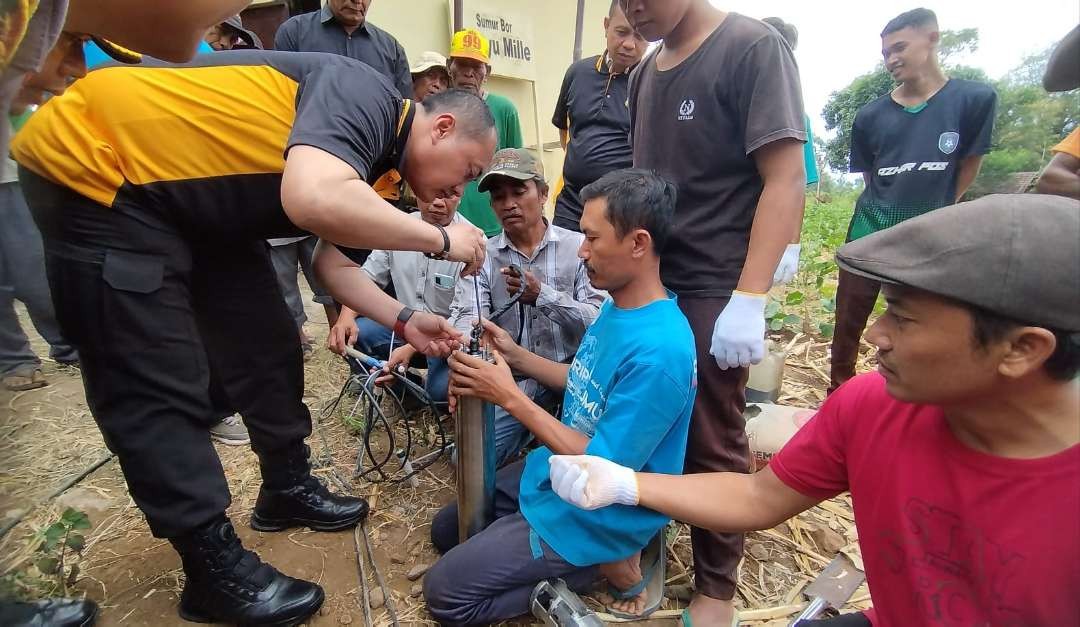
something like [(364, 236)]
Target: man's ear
[(443, 126), (643, 244), (1028, 350), (935, 37), (607, 22)]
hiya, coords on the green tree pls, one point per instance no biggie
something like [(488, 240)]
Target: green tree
[(839, 113), (957, 43), (1029, 121)]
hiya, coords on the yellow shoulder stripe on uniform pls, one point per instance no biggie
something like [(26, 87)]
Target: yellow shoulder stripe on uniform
[(406, 104), (158, 124)]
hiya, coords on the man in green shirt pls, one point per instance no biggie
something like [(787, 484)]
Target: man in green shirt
[(470, 66)]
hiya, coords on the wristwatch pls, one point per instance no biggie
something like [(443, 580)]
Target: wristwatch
[(441, 256), (402, 319)]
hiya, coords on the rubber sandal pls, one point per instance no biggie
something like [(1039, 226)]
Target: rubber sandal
[(629, 593), (652, 581)]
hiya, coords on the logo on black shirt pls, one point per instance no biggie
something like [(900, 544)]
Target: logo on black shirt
[(926, 166), (686, 109), (948, 142)]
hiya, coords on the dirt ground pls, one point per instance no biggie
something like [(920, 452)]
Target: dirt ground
[(48, 438)]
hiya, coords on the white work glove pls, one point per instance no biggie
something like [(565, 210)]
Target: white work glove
[(788, 266), (738, 337), (591, 482)]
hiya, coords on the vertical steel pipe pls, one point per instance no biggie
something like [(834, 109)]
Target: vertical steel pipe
[(474, 437)]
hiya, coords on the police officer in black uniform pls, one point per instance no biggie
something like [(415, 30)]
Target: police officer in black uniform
[(154, 228)]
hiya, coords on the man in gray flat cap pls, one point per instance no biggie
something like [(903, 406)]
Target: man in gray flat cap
[(961, 453)]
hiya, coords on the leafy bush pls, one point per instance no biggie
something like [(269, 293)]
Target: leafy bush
[(808, 304), (57, 551)]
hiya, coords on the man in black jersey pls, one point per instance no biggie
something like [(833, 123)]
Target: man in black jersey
[(918, 148)]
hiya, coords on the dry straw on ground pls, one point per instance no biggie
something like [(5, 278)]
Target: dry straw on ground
[(48, 437)]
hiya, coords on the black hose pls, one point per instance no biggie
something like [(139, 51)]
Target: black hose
[(377, 471), (380, 469)]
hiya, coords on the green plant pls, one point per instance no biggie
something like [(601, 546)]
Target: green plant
[(826, 327), (60, 542), (778, 316), (808, 304), (53, 554)]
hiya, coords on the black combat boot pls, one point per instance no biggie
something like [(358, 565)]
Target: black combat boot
[(49, 613), (291, 497), (226, 583)]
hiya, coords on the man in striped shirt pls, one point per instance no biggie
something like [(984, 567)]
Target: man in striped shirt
[(558, 302)]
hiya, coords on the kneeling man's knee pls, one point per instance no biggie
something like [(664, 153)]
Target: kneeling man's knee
[(444, 599)]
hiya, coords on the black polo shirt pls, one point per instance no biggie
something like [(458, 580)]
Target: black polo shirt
[(592, 107), (319, 31)]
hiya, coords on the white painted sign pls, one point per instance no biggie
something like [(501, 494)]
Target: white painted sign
[(510, 34)]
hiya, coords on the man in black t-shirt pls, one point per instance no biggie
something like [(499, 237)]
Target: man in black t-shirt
[(718, 111), (593, 117), (156, 259), (918, 148)]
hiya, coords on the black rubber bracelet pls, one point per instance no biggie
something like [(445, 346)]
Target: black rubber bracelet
[(445, 245), (402, 319)]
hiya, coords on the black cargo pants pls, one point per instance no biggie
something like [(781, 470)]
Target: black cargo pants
[(150, 302)]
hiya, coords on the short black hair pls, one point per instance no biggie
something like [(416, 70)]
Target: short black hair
[(1062, 365), (636, 199), (786, 30), (915, 18), (472, 113)]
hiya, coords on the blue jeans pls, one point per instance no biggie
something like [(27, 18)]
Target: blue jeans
[(374, 339), (510, 435)]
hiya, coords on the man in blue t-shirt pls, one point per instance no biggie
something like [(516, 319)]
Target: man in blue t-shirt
[(628, 397)]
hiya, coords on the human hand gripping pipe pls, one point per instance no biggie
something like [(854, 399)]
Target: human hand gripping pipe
[(474, 438)]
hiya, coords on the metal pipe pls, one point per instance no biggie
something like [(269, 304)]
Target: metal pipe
[(474, 437), (459, 15), (578, 28), (812, 611)]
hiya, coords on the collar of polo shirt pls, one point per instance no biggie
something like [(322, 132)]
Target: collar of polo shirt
[(603, 63)]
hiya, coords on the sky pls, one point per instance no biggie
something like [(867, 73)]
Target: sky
[(839, 39)]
